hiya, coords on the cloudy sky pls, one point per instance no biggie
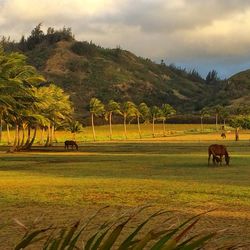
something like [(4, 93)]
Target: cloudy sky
[(197, 34)]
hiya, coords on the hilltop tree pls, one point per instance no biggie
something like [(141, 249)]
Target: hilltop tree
[(128, 109), (166, 111), (112, 108), (96, 109), (212, 77)]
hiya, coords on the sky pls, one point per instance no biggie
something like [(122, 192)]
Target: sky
[(196, 34)]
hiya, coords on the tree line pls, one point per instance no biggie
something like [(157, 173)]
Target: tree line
[(235, 116), (129, 112), (28, 102)]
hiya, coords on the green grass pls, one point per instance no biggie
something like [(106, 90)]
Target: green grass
[(66, 185)]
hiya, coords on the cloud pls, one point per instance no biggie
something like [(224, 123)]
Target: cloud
[(192, 32)]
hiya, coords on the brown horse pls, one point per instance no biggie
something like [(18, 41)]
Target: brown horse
[(218, 151), (70, 143)]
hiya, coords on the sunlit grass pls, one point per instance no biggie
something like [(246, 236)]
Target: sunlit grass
[(175, 132), (167, 175)]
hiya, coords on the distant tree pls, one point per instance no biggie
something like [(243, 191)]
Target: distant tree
[(74, 127), (112, 108), (216, 111), (96, 109), (238, 122), (212, 77), (224, 115), (144, 111), (128, 109), (155, 114), (36, 37), (166, 111), (240, 119), (205, 112)]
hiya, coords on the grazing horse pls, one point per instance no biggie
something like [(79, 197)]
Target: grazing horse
[(223, 135), (70, 143), (218, 151)]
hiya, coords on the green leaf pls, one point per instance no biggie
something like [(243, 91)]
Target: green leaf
[(28, 239), (113, 236)]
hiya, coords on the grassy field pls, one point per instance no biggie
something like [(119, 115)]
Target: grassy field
[(174, 133), (64, 186)]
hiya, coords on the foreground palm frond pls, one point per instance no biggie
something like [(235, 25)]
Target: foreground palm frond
[(106, 235)]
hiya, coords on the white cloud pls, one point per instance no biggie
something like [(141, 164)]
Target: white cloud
[(180, 30)]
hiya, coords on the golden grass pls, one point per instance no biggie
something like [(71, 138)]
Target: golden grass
[(64, 186), (174, 133)]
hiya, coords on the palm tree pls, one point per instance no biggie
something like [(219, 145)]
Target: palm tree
[(166, 111), (155, 114), (17, 81), (96, 109), (128, 109), (75, 127), (143, 113), (112, 108), (217, 110), (225, 114), (203, 114), (138, 115), (54, 105)]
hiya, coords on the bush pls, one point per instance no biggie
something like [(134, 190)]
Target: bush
[(84, 48), (77, 64)]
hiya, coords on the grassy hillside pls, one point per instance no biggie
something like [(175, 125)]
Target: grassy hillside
[(86, 70)]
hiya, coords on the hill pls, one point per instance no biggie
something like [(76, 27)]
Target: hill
[(86, 70)]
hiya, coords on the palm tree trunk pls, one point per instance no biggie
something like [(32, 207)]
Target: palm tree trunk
[(110, 125), (8, 134), (125, 126), (164, 127), (93, 126), (47, 144), (42, 136), (202, 127), (153, 127), (15, 144), (139, 127), (1, 129), (52, 134), (237, 134), (216, 122), (18, 138), (33, 139), (55, 139), (28, 138), (23, 136)]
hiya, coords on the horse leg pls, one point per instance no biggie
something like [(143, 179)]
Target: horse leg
[(221, 159)]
